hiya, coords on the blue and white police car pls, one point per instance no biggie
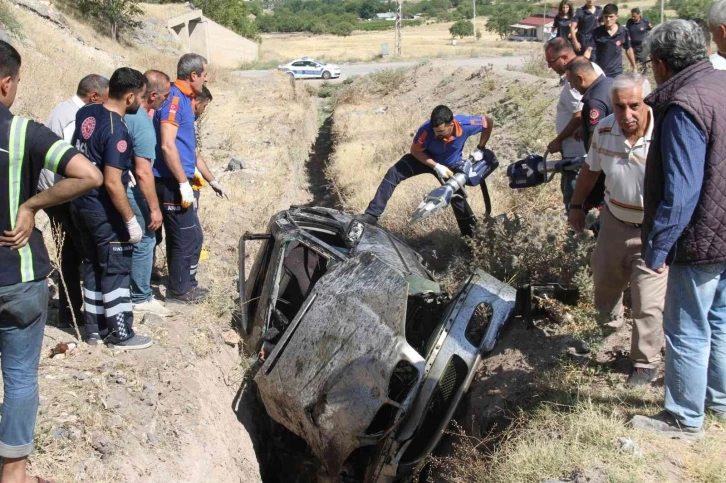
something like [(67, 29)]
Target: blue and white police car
[(307, 68)]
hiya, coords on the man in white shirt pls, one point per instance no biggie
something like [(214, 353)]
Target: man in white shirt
[(619, 149), (62, 121), (717, 25), (558, 53)]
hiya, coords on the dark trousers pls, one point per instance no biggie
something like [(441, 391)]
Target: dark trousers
[(641, 56), (585, 42), (183, 235), (407, 167), (70, 266), (107, 281)]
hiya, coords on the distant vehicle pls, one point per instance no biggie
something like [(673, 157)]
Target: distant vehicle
[(306, 68)]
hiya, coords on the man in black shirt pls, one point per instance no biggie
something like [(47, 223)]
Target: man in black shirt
[(585, 20), (638, 28), (26, 147), (104, 216), (608, 42)]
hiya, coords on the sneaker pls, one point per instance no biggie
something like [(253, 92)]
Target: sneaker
[(152, 306), (664, 423), (366, 218), (94, 339), (135, 343), (193, 296), (642, 376)]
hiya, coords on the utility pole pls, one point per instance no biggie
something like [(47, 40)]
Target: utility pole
[(397, 45), (544, 21), (662, 11), (473, 20)]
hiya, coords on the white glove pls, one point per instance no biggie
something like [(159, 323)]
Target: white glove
[(132, 180), (218, 189), (187, 194), (134, 230), (476, 155), (442, 171)]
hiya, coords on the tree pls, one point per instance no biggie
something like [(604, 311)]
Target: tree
[(120, 15), (232, 14), (462, 28), (693, 9), (505, 14), (343, 29)]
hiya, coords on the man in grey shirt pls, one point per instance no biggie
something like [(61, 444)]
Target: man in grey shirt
[(62, 121)]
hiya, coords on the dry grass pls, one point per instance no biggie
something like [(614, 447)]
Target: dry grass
[(432, 40)]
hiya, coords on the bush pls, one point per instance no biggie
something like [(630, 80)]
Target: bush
[(387, 80), (118, 15), (462, 28), (342, 29), (8, 19)]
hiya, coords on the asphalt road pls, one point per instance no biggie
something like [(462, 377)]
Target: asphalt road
[(350, 70)]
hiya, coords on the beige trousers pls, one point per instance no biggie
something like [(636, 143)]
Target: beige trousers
[(617, 261)]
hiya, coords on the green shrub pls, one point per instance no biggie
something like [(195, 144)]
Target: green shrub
[(462, 28), (342, 29), (8, 19), (387, 80)]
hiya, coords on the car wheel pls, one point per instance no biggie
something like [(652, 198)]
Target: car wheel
[(326, 75), (291, 76)]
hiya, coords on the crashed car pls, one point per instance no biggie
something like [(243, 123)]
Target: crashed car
[(366, 357)]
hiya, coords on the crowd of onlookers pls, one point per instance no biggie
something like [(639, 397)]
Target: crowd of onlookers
[(120, 159), (110, 167)]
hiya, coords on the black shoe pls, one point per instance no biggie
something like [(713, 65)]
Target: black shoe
[(193, 296), (642, 376), (366, 218)]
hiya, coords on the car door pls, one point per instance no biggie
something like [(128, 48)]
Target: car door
[(298, 69), (316, 70)]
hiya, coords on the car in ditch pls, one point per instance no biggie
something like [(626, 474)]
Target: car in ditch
[(307, 68), (363, 355)]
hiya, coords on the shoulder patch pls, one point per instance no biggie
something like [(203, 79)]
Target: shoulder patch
[(121, 146), (594, 116), (88, 126), (173, 108)]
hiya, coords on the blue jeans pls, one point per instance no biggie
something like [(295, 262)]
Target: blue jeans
[(694, 322), (142, 260), (23, 312)]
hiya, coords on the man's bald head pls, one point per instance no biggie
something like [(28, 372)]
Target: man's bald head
[(581, 74), (158, 85)]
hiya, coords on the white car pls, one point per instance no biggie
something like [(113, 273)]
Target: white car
[(306, 68)]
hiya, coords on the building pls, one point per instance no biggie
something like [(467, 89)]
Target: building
[(385, 16), (536, 28)]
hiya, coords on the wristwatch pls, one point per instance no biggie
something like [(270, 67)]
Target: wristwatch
[(574, 206)]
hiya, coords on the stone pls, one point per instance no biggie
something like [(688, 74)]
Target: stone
[(82, 376), (152, 319), (150, 395), (231, 337), (581, 347), (121, 380), (43, 11), (236, 164), (627, 445), (102, 444)]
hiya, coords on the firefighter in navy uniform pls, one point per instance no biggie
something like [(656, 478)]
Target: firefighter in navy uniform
[(26, 148), (104, 216)]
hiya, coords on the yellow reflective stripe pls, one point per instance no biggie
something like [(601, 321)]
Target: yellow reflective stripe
[(54, 155), (16, 156)]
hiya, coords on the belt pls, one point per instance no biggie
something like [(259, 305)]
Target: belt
[(633, 225)]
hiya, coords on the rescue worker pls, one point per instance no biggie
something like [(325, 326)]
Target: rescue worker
[(595, 90), (437, 148), (26, 148), (142, 194), (585, 21), (174, 172), (638, 28), (619, 149), (92, 88), (568, 120), (608, 42), (104, 216)]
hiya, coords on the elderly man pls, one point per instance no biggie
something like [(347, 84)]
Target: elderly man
[(684, 226), (142, 196), (717, 25), (619, 150), (568, 119), (174, 170), (62, 121)]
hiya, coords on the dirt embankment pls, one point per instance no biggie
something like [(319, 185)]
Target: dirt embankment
[(168, 413)]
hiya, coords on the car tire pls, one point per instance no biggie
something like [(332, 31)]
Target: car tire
[(291, 76), (326, 75)]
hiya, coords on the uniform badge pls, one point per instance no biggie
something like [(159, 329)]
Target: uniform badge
[(618, 43), (87, 127), (173, 107), (594, 116), (121, 146)]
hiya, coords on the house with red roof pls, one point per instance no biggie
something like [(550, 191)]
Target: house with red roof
[(535, 28)]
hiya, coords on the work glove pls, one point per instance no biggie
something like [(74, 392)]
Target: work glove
[(218, 189), (476, 155), (187, 194), (442, 171), (198, 181), (134, 230), (132, 180)]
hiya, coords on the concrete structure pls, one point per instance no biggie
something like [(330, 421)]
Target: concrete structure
[(219, 45), (534, 28)]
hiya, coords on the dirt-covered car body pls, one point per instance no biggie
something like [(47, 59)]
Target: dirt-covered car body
[(366, 358)]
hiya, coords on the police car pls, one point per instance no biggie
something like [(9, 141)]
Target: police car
[(306, 68)]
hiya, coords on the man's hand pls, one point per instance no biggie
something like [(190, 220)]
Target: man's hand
[(476, 155), (578, 133), (576, 45), (156, 219), (442, 171), (187, 194), (576, 217), (218, 189), (24, 224), (555, 146), (135, 231), (661, 269)]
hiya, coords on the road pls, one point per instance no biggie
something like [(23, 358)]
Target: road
[(350, 70)]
